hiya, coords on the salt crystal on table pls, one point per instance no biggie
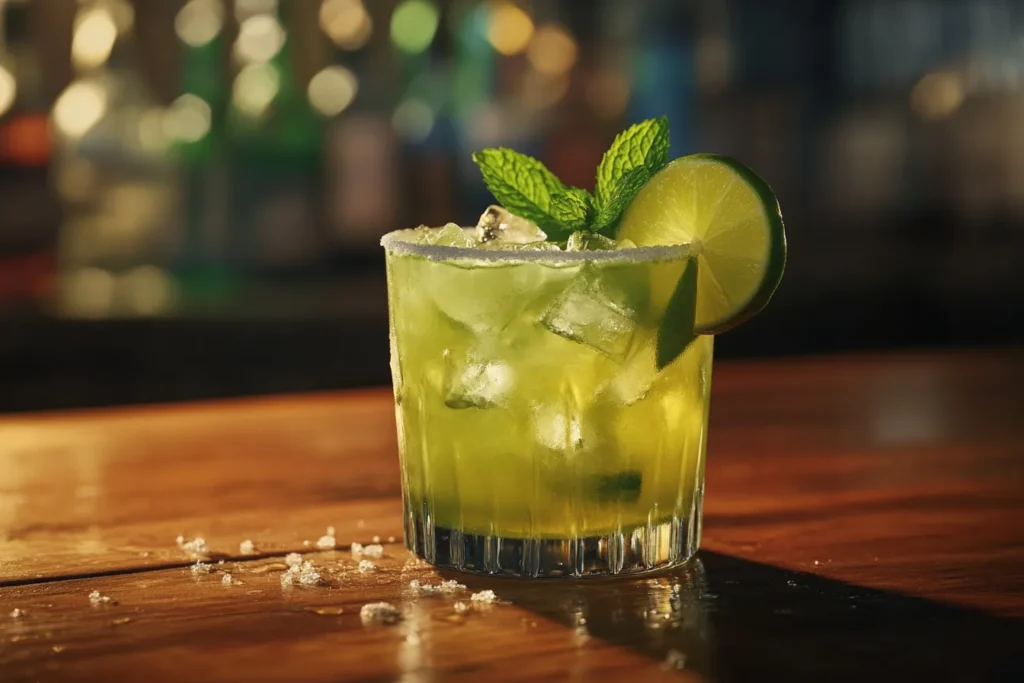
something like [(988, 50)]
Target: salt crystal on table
[(357, 548), (201, 567), (293, 559), (309, 576), (326, 542), (17, 613), (227, 580), (96, 599), (376, 539), (443, 588), (246, 547), (197, 546), (461, 607), (487, 596), (375, 550), (365, 566), (379, 613)]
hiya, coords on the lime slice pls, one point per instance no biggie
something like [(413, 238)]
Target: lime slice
[(731, 217)]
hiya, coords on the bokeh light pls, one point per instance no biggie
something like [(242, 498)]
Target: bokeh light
[(8, 89), (552, 50), (260, 37), (248, 8), (146, 290), (151, 135), (414, 25), (94, 36), (87, 292), (413, 119), (541, 90), (332, 90), (199, 22), (346, 23), (188, 119), (938, 95), (255, 88), (123, 14), (509, 28), (79, 108)]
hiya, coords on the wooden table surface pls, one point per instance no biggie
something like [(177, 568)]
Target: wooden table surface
[(864, 518)]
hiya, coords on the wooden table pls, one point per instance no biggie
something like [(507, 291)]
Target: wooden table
[(864, 520)]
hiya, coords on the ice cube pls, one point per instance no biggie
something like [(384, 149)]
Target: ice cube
[(484, 298), (474, 380), (557, 429), (636, 375), (588, 241), (597, 310), (498, 225), (451, 235)]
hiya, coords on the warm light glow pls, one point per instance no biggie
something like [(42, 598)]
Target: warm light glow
[(938, 95), (188, 119), (346, 22), (146, 290), (79, 108), (542, 90), (248, 8), (608, 93), (8, 89), (123, 13), (413, 25), (87, 292), (151, 130), (413, 119), (255, 88), (509, 29), (332, 90), (260, 37), (94, 38), (552, 50), (199, 22)]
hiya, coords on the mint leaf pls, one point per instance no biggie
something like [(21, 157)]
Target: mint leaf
[(625, 189), (676, 331), (572, 208), (643, 145), (524, 186)]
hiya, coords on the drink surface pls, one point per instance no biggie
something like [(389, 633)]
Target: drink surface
[(528, 400)]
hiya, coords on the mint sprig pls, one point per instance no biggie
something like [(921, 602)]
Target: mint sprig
[(526, 188)]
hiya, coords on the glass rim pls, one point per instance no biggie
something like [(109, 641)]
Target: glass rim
[(394, 244)]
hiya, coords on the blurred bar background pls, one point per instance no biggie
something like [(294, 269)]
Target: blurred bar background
[(192, 192)]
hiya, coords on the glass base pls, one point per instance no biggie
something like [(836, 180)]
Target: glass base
[(635, 550)]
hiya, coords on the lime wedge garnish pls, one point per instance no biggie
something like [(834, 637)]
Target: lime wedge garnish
[(732, 219)]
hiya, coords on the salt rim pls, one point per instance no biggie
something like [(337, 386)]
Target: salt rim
[(394, 244)]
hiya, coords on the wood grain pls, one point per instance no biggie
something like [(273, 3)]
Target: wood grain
[(882, 491), (199, 628), (101, 491)]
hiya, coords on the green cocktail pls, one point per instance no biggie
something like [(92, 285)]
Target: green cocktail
[(551, 398)]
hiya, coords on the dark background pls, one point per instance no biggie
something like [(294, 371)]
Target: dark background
[(192, 194)]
